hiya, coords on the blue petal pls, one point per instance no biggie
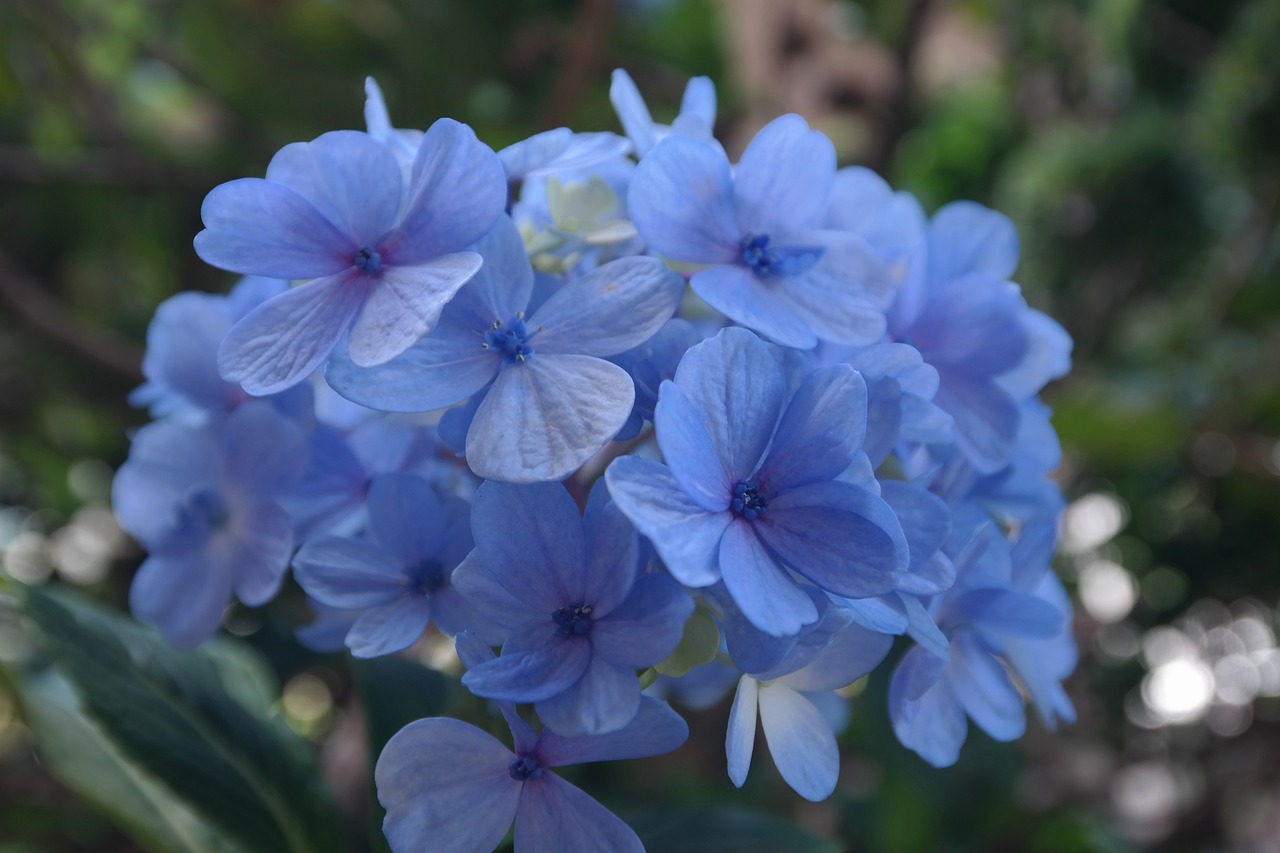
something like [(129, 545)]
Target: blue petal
[(984, 689), (841, 537), (852, 653), (263, 453), (544, 418), (404, 304), (647, 627), (766, 594), (348, 573), (740, 296), (614, 308), (555, 815), (933, 723), (654, 730), (966, 238), (262, 546), (181, 597), (697, 108), (736, 382), (390, 628), (531, 676), (821, 430), (445, 786), (459, 190), (686, 536), (681, 202), (165, 460), (603, 700), (406, 517), (844, 296), (801, 743), (690, 453), (986, 419), (634, 116), (784, 178), (350, 177), (259, 227), (502, 287), (284, 340), (613, 555)]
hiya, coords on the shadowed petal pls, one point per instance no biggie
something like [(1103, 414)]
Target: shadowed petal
[(654, 730), (348, 573), (555, 815), (530, 676), (390, 628), (766, 594), (603, 700)]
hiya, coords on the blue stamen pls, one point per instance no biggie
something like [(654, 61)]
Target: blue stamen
[(747, 500), (205, 506), (573, 621), (512, 342), (524, 768), (766, 261), (427, 576), (368, 260)]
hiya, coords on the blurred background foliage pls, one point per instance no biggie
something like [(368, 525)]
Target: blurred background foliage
[(1134, 144)]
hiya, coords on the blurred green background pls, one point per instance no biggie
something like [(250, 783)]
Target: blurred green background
[(1135, 143)]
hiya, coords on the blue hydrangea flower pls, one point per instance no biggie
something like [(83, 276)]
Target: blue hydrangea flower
[(697, 116), (447, 785), (752, 488), (333, 210), (400, 574), (983, 615), (581, 614), (649, 364), (205, 502), (542, 397), (560, 151), (801, 741), (758, 228)]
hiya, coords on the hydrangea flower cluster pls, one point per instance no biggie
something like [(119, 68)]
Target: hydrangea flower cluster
[(806, 415)]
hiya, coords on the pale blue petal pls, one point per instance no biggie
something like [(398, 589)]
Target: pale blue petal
[(614, 308), (681, 202), (348, 573), (686, 536), (923, 629), (647, 627), (966, 238), (986, 419), (182, 596), (390, 628), (531, 676), (556, 816), (459, 190), (802, 745), (697, 108), (613, 555), (740, 296), (404, 304), (984, 689), (690, 453), (769, 598), (502, 287), (844, 296), (446, 786), (165, 459), (262, 547), (654, 730), (544, 418), (406, 517), (259, 227), (782, 183), (263, 453), (284, 340), (350, 177), (633, 115), (852, 653), (740, 737), (884, 614), (933, 724)]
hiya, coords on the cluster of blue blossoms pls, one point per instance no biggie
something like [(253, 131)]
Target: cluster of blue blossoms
[(806, 413)]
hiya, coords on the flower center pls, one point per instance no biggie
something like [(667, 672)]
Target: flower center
[(766, 261), (204, 506), (426, 577), (368, 260), (524, 768), (573, 621), (512, 341), (747, 500)]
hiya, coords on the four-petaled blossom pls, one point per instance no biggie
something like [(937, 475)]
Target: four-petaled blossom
[(581, 614), (334, 210), (752, 490)]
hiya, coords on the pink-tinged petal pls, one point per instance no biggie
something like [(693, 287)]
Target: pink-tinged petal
[(284, 340), (784, 178), (603, 700), (544, 418), (736, 293), (446, 786), (681, 201), (459, 190), (802, 745), (740, 737), (556, 816), (768, 596), (390, 628), (259, 227), (686, 536), (613, 308), (405, 304), (350, 177)]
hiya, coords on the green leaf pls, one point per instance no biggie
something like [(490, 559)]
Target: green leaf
[(709, 830), (76, 752), (698, 645), (171, 713)]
